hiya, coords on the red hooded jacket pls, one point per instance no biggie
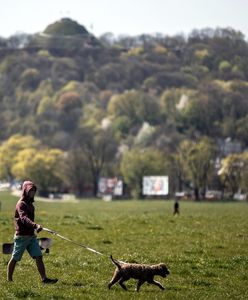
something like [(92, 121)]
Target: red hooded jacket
[(24, 212)]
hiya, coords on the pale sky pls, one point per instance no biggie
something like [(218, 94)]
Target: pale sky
[(131, 17)]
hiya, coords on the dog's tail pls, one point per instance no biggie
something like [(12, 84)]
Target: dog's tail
[(116, 262)]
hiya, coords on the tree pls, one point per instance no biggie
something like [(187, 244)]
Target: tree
[(76, 171), (107, 39), (196, 159), (99, 148), (69, 110), (233, 167), (179, 176), (30, 79), (63, 70), (137, 163), (9, 151), (109, 74), (144, 136), (204, 111), (173, 101), (19, 40), (225, 69), (244, 180), (121, 126), (136, 106), (242, 130), (42, 166)]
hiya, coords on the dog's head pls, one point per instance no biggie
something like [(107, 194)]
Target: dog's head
[(163, 271)]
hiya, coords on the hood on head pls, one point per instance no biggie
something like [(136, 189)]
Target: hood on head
[(27, 186)]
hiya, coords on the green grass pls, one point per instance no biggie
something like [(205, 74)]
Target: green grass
[(205, 248)]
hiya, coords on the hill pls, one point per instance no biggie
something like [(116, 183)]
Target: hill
[(149, 91), (64, 34)]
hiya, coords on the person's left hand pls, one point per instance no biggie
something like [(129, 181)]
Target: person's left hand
[(39, 228)]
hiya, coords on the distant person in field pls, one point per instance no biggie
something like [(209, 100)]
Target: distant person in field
[(176, 208), (25, 238)]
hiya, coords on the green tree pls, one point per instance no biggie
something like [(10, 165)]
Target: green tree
[(137, 163), (204, 112), (225, 69), (9, 151), (233, 172), (42, 166), (196, 159), (69, 110), (122, 126), (137, 106), (173, 101)]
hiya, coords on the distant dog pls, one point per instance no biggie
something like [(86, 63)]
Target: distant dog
[(144, 273)]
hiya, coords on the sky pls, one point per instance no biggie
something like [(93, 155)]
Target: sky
[(124, 17)]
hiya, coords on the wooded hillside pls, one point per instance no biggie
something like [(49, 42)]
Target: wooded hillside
[(95, 98)]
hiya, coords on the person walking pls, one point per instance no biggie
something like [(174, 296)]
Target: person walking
[(176, 208), (25, 238)]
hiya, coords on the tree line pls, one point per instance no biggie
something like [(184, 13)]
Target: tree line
[(132, 106)]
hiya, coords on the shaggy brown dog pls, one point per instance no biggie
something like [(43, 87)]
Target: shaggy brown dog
[(144, 273)]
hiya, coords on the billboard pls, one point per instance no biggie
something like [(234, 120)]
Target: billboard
[(110, 186), (155, 185)]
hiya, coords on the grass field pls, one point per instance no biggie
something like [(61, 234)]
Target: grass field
[(205, 249)]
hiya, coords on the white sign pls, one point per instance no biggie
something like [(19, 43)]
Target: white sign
[(155, 185), (110, 186)]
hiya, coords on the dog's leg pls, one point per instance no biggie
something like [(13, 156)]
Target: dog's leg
[(122, 284), (115, 279), (139, 284), (156, 283)]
